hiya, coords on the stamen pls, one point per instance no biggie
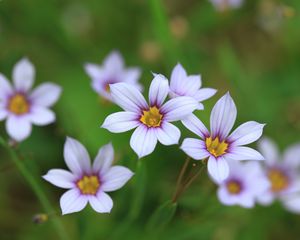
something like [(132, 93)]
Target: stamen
[(89, 185), (215, 147), (152, 117), (279, 180), (18, 104), (234, 187)]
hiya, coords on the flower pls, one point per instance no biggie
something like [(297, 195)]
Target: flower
[(152, 121), (243, 185), (112, 71), (183, 85), (23, 107), (217, 145), (223, 5), (86, 182), (283, 174)]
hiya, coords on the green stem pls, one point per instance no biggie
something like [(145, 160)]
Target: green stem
[(37, 189)]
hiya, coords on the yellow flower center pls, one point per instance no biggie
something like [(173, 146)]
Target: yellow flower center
[(279, 181), (152, 117), (233, 187), (89, 185), (18, 104), (215, 147)]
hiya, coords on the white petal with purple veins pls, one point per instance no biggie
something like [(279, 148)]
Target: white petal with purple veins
[(222, 117), (243, 153), (246, 133), (178, 108), (76, 157), (115, 178), (41, 116), (23, 75), (167, 134), (195, 125), (46, 94), (178, 75), (158, 91), (121, 122), (104, 159), (143, 141), (204, 93), (195, 148), (218, 169), (5, 87), (60, 178), (18, 128), (190, 85), (128, 97), (72, 201), (101, 203)]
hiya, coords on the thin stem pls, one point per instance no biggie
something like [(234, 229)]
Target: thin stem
[(37, 189), (179, 179)]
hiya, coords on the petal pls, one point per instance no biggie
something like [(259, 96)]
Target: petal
[(23, 75), (225, 197), (223, 117), (46, 94), (243, 153), (195, 125), (269, 150), (72, 201), (76, 157), (132, 75), (195, 148), (292, 203), (60, 178), (115, 178), (159, 90), (178, 108), (191, 84), (291, 156), (218, 169), (128, 97), (178, 77), (114, 62), (204, 94), (18, 128), (246, 133), (104, 159), (121, 122), (5, 87), (3, 113), (168, 134), (102, 203), (266, 198), (94, 71), (143, 141), (41, 116)]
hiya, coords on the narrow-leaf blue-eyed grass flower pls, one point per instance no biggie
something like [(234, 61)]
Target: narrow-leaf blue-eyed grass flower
[(244, 184), (88, 183), (283, 173), (217, 145), (152, 121), (112, 71), (21, 106)]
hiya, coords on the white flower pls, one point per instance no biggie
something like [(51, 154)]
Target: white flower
[(283, 174), (152, 121), (21, 106), (217, 145), (243, 185), (223, 5), (183, 85), (86, 182), (112, 71)]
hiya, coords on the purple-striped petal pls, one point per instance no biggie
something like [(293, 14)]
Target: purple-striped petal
[(41, 116), (101, 203), (46, 94), (104, 159), (115, 178), (218, 169), (5, 88), (143, 141), (121, 122), (195, 125), (159, 90), (222, 117), (23, 75), (128, 97), (72, 201), (195, 148), (60, 178), (18, 128), (204, 94), (246, 133), (168, 134), (76, 157), (178, 108), (178, 76), (243, 153)]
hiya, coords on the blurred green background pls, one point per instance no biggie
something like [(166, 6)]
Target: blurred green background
[(254, 52)]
